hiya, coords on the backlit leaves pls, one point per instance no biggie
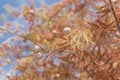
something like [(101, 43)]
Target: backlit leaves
[(80, 38), (29, 13)]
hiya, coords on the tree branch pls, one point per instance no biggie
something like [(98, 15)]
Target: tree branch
[(114, 14)]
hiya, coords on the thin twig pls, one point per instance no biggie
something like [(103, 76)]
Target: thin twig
[(2, 29), (114, 14)]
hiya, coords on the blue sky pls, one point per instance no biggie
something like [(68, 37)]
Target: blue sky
[(17, 4), (20, 2)]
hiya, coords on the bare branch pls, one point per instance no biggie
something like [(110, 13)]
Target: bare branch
[(114, 14)]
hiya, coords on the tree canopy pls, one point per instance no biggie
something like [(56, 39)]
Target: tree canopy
[(69, 40)]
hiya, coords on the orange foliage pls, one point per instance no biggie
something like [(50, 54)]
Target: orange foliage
[(72, 39)]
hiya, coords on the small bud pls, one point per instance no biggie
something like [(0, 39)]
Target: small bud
[(67, 30), (54, 31), (118, 33), (57, 75), (36, 47), (8, 61)]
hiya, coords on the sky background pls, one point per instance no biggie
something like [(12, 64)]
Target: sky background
[(5, 9), (4, 14)]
